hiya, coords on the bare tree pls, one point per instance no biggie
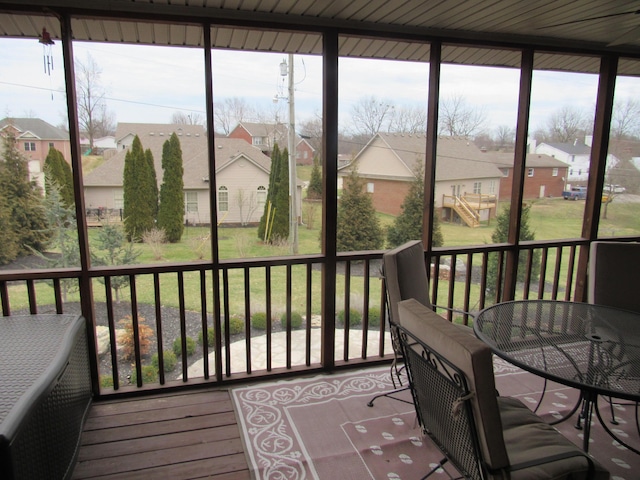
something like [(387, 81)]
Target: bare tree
[(626, 118), (231, 111), (409, 120), (369, 115), (311, 130), (567, 125), (250, 202), (182, 118), (93, 115), (505, 136), (457, 118)]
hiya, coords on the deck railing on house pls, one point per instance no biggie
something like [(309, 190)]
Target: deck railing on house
[(467, 278)]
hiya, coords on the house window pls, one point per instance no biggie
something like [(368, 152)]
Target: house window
[(492, 187), (191, 201), (223, 199), (305, 155), (370, 187), (505, 172), (554, 172), (261, 196), (573, 158), (118, 199), (530, 174), (257, 140), (51, 145), (29, 146), (477, 187), (571, 171)]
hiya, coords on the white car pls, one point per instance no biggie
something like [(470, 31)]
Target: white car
[(614, 189)]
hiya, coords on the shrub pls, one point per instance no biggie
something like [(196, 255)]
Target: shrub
[(106, 381), (177, 346), (127, 340), (169, 358), (211, 337), (155, 239), (259, 320), (149, 375), (374, 316), (296, 320), (236, 324), (355, 317)]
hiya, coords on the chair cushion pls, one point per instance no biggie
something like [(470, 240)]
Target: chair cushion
[(528, 438), (474, 358), (406, 275), (609, 283)]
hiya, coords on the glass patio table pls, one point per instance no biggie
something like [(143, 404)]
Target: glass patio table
[(593, 348)]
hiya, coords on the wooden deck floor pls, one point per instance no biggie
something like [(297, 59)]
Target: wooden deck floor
[(174, 436)]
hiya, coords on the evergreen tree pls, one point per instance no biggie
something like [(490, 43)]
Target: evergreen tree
[(314, 191), (23, 201), (501, 235), (8, 238), (358, 226), (58, 171), (274, 223), (408, 225), (62, 222), (114, 251), (171, 208), (152, 181), (139, 191)]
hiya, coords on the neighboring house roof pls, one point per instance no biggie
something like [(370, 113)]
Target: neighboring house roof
[(533, 160), (458, 158), (37, 127), (159, 130), (194, 156), (279, 131), (575, 148)]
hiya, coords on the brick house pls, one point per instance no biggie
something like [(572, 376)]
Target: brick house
[(265, 135), (34, 137)]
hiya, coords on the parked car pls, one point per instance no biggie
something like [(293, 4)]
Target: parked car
[(614, 189), (576, 193)]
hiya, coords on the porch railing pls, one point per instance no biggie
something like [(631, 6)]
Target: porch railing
[(183, 301)]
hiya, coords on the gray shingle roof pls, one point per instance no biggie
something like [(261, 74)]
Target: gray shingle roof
[(194, 154), (575, 148), (536, 160), (40, 128), (457, 157)]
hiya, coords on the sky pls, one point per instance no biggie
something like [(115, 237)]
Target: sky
[(148, 84)]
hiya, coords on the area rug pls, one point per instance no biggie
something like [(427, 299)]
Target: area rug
[(322, 428)]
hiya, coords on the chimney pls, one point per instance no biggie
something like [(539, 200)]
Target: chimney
[(588, 140)]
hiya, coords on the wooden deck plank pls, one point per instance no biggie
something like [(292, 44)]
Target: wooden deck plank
[(178, 435)]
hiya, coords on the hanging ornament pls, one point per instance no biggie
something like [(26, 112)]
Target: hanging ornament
[(47, 55)]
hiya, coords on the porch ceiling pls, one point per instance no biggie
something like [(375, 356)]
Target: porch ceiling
[(584, 27)]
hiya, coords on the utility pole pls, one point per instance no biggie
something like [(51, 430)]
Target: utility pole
[(287, 70)]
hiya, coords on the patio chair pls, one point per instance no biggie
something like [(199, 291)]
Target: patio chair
[(613, 279), (405, 276), (483, 435)]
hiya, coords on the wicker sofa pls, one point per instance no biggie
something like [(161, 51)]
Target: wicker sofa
[(45, 394)]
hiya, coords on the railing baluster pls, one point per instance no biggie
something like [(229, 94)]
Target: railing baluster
[(247, 314), (33, 303), (289, 298), (57, 292), (543, 273), (112, 333), (267, 274), (227, 335), (483, 280), (556, 275), (365, 309), (383, 317), (4, 297), (452, 284), (136, 329), (571, 266), (158, 306), (435, 278), (205, 324), (183, 328), (528, 270), (467, 288), (308, 315), (347, 308)]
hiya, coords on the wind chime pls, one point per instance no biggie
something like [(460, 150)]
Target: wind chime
[(47, 55)]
